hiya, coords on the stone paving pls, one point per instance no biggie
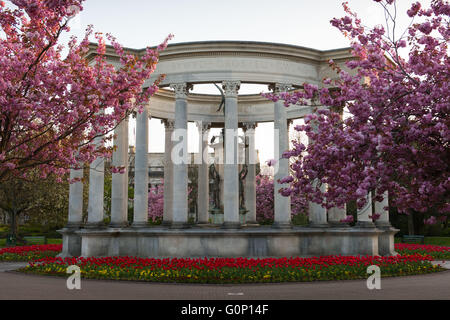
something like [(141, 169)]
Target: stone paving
[(9, 266), (21, 286)]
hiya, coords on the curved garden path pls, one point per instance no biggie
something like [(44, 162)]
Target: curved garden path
[(20, 286)]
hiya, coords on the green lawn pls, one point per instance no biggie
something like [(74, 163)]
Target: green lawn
[(437, 241), (49, 241)]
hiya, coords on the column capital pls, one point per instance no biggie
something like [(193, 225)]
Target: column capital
[(231, 88), (169, 124), (181, 89), (278, 88), (249, 126), (135, 112), (203, 126)]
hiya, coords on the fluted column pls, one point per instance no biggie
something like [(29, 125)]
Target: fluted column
[(168, 172), (96, 190), (386, 240), (365, 214), (336, 215), (141, 170), (250, 180), (203, 174), (231, 167), (180, 157), (382, 208), (316, 212), (75, 199), (282, 205), (119, 184)]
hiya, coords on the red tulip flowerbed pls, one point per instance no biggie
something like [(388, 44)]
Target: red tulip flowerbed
[(437, 252), (29, 253), (239, 270)]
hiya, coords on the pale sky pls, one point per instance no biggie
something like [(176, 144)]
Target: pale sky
[(139, 23)]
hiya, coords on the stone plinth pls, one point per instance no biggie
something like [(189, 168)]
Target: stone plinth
[(71, 242), (246, 242)]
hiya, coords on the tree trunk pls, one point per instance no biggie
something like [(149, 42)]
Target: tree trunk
[(13, 223)]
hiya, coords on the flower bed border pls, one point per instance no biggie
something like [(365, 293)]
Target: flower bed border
[(418, 259), (235, 271)]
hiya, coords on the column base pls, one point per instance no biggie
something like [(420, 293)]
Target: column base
[(119, 225), (166, 223), (252, 224), (383, 224), (73, 226), (95, 225), (138, 225), (282, 225), (206, 225), (318, 225), (338, 224), (179, 225), (231, 225), (365, 224)]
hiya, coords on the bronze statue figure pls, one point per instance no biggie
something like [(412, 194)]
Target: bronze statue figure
[(214, 175), (242, 176)]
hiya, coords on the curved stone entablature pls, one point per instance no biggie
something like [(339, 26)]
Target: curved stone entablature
[(244, 61), (202, 107)]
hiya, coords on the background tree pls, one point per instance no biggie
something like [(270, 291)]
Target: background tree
[(396, 136), (39, 201), (52, 108)]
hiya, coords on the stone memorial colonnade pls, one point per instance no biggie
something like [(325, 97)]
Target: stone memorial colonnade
[(230, 63)]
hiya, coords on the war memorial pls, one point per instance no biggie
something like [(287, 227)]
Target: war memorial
[(226, 225)]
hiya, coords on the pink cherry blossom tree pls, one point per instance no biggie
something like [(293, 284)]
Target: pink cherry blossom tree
[(396, 136), (265, 200), (156, 202), (52, 108)]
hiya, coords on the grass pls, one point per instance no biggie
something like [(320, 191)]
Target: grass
[(49, 241), (436, 241)]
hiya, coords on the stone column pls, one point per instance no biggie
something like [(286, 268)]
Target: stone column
[(96, 191), (336, 215), (386, 240), (180, 157), (383, 221), (282, 205), (119, 184), (168, 173), (365, 214), (203, 174), (141, 171), (231, 167), (317, 214), (250, 180), (75, 200), (71, 240)]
